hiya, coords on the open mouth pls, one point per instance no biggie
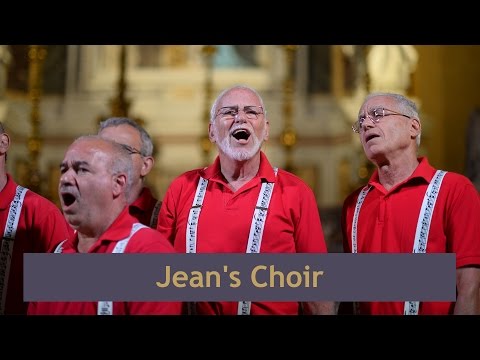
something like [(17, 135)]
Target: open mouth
[(241, 134), (370, 137), (68, 199)]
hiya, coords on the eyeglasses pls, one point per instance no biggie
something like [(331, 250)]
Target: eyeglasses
[(229, 112), (131, 150), (375, 115)]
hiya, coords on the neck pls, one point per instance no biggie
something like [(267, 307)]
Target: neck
[(85, 242), (391, 173), (97, 225), (135, 192), (238, 173)]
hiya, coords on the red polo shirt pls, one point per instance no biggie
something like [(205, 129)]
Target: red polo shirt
[(142, 208), (145, 240), (292, 224), (388, 219), (40, 228)]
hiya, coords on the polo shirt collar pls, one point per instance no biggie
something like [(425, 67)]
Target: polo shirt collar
[(423, 171), (144, 200), (118, 230)]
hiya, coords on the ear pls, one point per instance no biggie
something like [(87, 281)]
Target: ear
[(4, 143), (211, 133), (267, 130), (147, 165), (119, 184), (416, 128)]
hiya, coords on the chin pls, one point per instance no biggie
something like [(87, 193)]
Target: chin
[(242, 156), (237, 153)]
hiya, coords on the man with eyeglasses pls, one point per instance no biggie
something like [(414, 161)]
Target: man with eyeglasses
[(29, 223), (135, 139), (95, 177), (217, 209), (409, 206)]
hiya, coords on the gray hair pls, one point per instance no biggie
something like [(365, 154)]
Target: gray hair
[(406, 106), (213, 110), (147, 144)]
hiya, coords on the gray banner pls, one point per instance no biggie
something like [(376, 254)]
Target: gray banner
[(234, 277)]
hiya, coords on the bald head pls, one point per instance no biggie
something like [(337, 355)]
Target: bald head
[(115, 155)]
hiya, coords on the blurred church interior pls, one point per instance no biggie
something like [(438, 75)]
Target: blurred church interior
[(51, 94)]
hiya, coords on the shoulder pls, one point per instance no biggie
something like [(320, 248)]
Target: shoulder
[(148, 240), (186, 178), (287, 179), (353, 196), (37, 201), (456, 178), (455, 182), (183, 183)]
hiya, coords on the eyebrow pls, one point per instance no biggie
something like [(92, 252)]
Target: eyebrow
[(236, 106), (131, 149), (78, 163)]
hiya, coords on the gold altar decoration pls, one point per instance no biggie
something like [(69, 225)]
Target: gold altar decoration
[(119, 104), (36, 58), (288, 136), (208, 51)]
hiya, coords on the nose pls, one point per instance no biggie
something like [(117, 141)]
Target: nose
[(369, 124), (243, 117), (66, 178)]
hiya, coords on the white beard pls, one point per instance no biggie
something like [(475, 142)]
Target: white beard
[(241, 154)]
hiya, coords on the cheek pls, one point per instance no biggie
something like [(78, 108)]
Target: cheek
[(98, 185), (137, 163), (260, 129), (401, 134), (220, 132)]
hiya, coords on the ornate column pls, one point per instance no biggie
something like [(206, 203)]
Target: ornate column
[(36, 58), (208, 51), (119, 104), (5, 60), (288, 137)]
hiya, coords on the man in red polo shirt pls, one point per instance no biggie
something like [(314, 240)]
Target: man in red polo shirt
[(390, 215), (95, 176), (240, 185), (143, 205), (29, 224)]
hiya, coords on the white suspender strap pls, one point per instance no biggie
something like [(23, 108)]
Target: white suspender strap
[(423, 228), (122, 244), (360, 199), (59, 248), (259, 215), (106, 307), (6, 251), (192, 225), (256, 231), (423, 224)]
